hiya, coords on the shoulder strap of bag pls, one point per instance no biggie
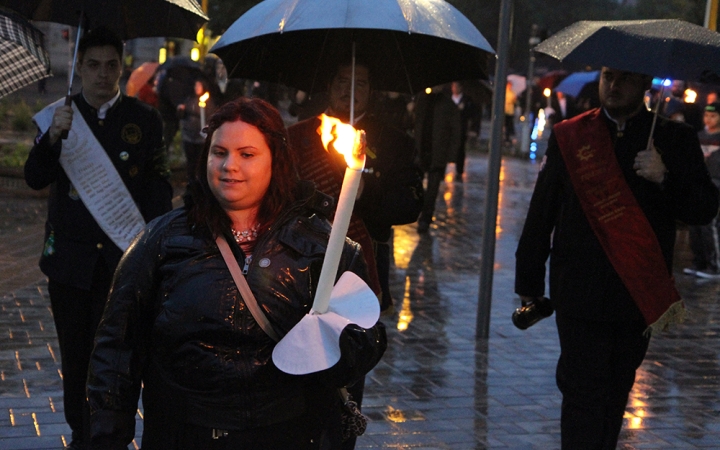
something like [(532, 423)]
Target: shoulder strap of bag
[(244, 289)]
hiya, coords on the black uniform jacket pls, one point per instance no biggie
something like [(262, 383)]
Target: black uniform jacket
[(583, 283), (176, 322), (131, 135)]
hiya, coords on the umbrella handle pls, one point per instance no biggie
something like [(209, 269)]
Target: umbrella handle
[(71, 76), (661, 99), (68, 102)]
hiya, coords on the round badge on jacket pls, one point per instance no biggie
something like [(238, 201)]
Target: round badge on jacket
[(131, 133)]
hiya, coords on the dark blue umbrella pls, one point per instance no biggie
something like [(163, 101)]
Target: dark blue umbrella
[(663, 48), (575, 82), (408, 44)]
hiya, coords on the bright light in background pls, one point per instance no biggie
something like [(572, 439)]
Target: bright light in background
[(405, 316), (195, 54), (162, 55), (500, 210), (547, 92), (428, 90), (690, 96), (404, 244)]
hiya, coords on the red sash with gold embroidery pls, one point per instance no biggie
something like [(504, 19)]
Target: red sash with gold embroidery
[(617, 219)]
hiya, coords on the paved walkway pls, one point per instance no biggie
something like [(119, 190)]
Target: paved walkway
[(436, 387)]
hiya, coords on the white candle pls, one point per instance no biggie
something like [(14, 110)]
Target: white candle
[(201, 103), (346, 202)]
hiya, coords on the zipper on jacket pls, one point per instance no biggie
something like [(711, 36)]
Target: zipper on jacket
[(248, 260)]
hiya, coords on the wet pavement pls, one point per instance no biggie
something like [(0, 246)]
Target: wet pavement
[(437, 387)]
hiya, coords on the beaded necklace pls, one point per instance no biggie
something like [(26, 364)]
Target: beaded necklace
[(245, 235)]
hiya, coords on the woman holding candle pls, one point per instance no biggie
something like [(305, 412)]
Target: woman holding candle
[(176, 323)]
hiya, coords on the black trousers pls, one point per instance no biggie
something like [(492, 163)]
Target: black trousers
[(77, 313), (434, 178), (595, 374)]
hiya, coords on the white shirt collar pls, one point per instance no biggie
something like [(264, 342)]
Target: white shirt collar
[(457, 98), (619, 128), (103, 109)]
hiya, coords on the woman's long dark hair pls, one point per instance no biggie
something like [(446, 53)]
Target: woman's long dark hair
[(204, 208)]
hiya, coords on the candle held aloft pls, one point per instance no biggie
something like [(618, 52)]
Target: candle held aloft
[(351, 143), (202, 102)]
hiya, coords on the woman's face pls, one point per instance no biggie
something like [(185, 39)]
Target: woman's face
[(239, 166)]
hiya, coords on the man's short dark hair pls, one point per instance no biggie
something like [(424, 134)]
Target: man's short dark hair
[(99, 37), (345, 60)]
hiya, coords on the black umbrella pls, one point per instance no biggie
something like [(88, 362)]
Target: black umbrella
[(23, 59), (663, 48), (409, 44), (128, 19), (176, 79)]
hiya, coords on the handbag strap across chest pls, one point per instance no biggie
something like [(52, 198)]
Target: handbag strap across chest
[(244, 289)]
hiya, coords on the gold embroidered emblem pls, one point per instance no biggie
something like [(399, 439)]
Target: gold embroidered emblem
[(133, 171), (131, 133), (585, 153)]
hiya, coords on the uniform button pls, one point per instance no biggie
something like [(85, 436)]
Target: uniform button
[(620, 134), (99, 246), (101, 122)]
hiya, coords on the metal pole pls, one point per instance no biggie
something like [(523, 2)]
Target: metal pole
[(487, 257), (711, 12)]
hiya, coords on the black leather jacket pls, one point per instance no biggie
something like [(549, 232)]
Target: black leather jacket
[(176, 322)]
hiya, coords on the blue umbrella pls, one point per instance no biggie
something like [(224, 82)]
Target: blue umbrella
[(408, 44), (573, 83)]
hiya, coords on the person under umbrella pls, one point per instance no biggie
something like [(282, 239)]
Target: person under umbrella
[(177, 324), (604, 210), (114, 156), (391, 192)]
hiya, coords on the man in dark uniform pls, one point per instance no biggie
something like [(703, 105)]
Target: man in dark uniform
[(605, 207), (469, 121), (391, 191), (79, 258)]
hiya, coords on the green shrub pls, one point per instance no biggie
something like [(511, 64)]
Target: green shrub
[(14, 154), (21, 117)]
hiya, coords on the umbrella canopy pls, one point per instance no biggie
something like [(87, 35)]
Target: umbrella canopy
[(139, 77), (518, 82), (574, 83), (23, 59), (408, 44), (663, 48), (176, 79), (128, 19), (551, 79)]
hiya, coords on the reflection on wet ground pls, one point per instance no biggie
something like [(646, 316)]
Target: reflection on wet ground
[(437, 387)]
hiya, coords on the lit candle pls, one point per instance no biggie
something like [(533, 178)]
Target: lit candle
[(349, 142), (202, 103)]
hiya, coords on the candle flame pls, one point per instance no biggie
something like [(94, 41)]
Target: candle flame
[(345, 139), (202, 101)]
